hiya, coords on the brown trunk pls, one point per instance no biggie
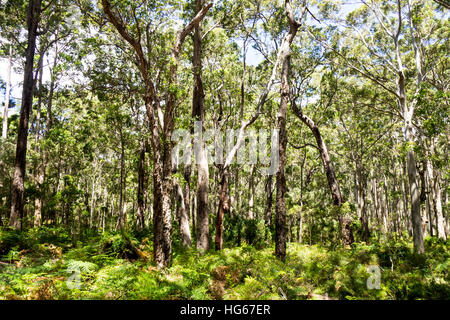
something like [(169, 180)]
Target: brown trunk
[(223, 207), (326, 161), (122, 213), (162, 188), (280, 207), (423, 201), (346, 232), (241, 136), (141, 187), (361, 198), (187, 194), (237, 193), (161, 138), (93, 203), (17, 201), (269, 193), (415, 205)]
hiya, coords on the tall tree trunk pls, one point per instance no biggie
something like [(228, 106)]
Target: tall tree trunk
[(17, 200), (426, 222), (223, 206), (436, 192), (183, 216), (163, 167), (198, 112), (269, 193), (141, 187), (39, 202), (399, 201), (161, 135), (236, 209), (202, 198), (93, 200), (49, 121), (408, 112), (122, 214), (346, 232), (38, 174), (162, 215), (182, 213), (187, 195), (268, 212), (251, 198), (385, 206), (416, 217), (280, 207), (7, 96), (405, 193), (240, 140), (415, 205), (361, 198)]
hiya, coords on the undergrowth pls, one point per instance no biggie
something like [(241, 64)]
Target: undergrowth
[(44, 264)]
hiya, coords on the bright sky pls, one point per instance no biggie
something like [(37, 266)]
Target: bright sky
[(16, 80), (254, 57)]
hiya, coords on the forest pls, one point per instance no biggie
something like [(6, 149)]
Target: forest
[(224, 150)]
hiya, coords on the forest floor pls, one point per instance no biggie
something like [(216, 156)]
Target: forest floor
[(44, 264)]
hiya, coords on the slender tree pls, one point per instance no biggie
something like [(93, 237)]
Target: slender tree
[(17, 193)]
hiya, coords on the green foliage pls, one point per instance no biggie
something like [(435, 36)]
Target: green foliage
[(346, 82), (255, 231), (310, 272), (10, 238)]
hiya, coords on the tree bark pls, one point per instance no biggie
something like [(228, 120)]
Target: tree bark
[(122, 212), (251, 198), (49, 120), (141, 187), (408, 112), (361, 199), (436, 192), (223, 206), (160, 134), (346, 232), (280, 207), (17, 193), (38, 174), (269, 193), (198, 113), (183, 217), (7, 96), (416, 217)]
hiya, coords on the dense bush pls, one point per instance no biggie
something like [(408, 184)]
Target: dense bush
[(31, 270)]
